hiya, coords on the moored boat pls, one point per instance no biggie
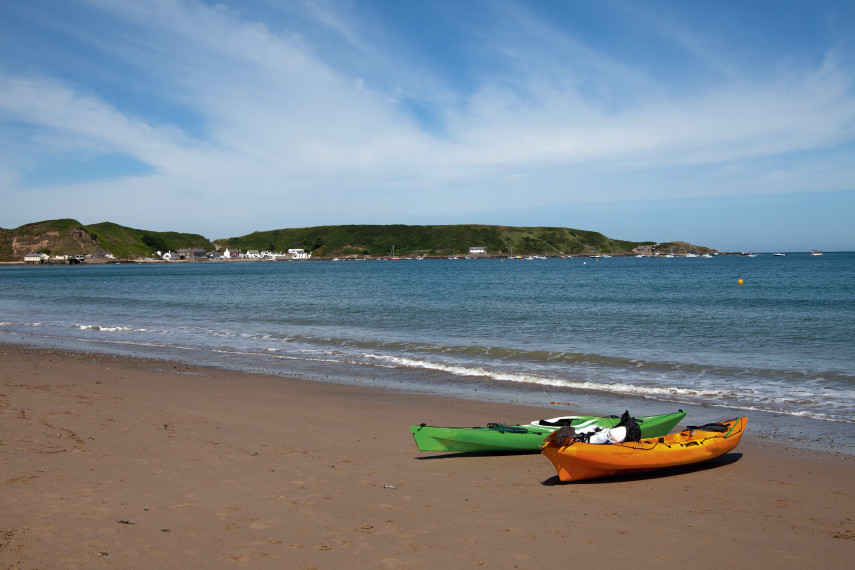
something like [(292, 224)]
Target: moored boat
[(527, 437), (577, 460)]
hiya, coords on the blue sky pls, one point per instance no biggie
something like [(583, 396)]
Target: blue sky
[(729, 124)]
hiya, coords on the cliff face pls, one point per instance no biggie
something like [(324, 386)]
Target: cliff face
[(70, 237), (64, 237)]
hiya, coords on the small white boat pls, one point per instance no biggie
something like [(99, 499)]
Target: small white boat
[(815, 252)]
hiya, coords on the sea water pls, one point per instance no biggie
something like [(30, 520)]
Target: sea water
[(646, 334)]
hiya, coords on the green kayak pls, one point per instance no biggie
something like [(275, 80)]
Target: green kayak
[(527, 437)]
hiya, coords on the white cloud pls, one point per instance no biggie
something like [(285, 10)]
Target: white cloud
[(281, 121)]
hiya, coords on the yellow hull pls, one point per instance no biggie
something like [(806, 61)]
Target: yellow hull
[(578, 460)]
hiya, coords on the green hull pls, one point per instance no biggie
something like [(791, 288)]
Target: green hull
[(524, 437)]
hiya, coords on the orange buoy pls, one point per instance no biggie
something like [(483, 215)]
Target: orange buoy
[(740, 281)]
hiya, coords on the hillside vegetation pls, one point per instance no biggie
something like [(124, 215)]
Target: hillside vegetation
[(376, 240), (70, 237)]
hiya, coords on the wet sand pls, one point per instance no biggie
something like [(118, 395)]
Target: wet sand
[(133, 463)]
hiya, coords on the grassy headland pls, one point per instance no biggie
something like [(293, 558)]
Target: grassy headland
[(432, 240), (70, 237)]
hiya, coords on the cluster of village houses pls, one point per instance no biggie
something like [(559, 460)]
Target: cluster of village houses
[(198, 254), (189, 254), (38, 257)]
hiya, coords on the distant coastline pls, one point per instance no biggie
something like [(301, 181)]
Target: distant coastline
[(107, 261), (56, 241)]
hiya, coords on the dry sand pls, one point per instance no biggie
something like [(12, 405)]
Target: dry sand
[(109, 461)]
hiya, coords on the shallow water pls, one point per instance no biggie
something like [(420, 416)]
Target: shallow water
[(646, 334)]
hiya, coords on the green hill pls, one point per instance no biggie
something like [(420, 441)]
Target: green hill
[(375, 240), (69, 237), (126, 242)]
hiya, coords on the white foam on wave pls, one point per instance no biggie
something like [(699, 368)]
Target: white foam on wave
[(106, 328), (467, 371), (16, 324), (761, 398), (753, 392)]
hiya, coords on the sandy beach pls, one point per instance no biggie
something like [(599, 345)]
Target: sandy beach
[(130, 463)]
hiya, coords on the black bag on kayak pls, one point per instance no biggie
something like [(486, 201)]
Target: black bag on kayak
[(633, 430)]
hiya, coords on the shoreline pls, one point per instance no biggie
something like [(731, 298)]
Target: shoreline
[(793, 430), (492, 257), (130, 462)]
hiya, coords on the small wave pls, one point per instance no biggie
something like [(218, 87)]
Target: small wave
[(548, 359), (775, 391), (19, 324), (467, 371), (106, 329), (760, 397)]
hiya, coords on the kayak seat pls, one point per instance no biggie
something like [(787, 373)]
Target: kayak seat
[(559, 423), (709, 427)]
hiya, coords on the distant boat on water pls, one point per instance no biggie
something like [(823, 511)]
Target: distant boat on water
[(779, 255), (815, 252)]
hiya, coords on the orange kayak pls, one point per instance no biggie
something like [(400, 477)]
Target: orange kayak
[(578, 460)]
